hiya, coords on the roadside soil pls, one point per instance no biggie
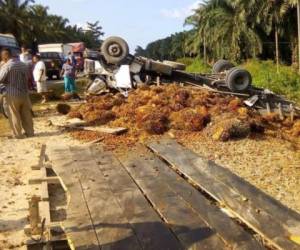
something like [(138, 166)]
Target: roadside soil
[(16, 159)]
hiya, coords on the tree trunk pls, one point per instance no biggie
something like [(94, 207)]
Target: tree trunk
[(277, 48), (204, 49), (294, 58)]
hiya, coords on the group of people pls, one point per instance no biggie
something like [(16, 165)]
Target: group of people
[(17, 77), (39, 78)]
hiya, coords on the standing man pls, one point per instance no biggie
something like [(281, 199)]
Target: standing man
[(39, 76), (14, 75), (26, 57)]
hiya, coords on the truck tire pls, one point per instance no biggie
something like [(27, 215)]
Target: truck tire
[(221, 66), (175, 65), (115, 50), (238, 80)]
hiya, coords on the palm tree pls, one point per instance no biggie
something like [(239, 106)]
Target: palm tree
[(296, 3), (15, 14), (220, 25)]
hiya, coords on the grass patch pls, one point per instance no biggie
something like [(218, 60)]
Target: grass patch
[(195, 65), (264, 73)]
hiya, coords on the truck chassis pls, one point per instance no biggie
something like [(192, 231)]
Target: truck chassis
[(225, 78)]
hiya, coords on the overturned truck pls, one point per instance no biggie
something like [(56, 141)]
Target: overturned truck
[(119, 70)]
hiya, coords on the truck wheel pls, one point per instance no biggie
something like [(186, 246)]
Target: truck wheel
[(175, 65), (238, 80), (115, 50), (221, 66)]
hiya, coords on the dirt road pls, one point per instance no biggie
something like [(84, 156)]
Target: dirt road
[(16, 159)]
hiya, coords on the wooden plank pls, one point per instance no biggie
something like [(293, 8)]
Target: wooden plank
[(49, 180), (44, 191), (151, 231), (189, 228), (78, 225), (234, 235), (41, 158), (44, 209), (262, 200), (255, 217), (111, 226), (44, 185), (107, 130)]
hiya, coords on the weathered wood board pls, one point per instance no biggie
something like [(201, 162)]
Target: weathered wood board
[(137, 201), (260, 212), (150, 230), (106, 130), (111, 226), (154, 177), (106, 221), (78, 225)]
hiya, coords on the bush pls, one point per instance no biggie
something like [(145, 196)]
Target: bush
[(264, 73), (195, 65)]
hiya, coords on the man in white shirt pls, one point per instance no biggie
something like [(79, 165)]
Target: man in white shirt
[(39, 75), (25, 56)]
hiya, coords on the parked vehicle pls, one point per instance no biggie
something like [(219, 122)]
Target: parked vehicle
[(9, 41), (62, 49), (53, 62)]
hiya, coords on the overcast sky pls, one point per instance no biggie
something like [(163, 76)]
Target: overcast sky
[(138, 21)]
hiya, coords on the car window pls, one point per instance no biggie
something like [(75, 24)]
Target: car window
[(50, 55)]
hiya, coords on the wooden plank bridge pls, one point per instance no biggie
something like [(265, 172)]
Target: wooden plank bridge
[(164, 196)]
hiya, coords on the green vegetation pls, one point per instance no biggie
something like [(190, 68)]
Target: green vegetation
[(237, 30), (253, 33), (195, 65), (286, 82), (169, 48), (31, 24)]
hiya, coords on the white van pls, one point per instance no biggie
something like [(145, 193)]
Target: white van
[(62, 49)]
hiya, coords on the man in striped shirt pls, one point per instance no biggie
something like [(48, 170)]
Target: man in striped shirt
[(14, 75)]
